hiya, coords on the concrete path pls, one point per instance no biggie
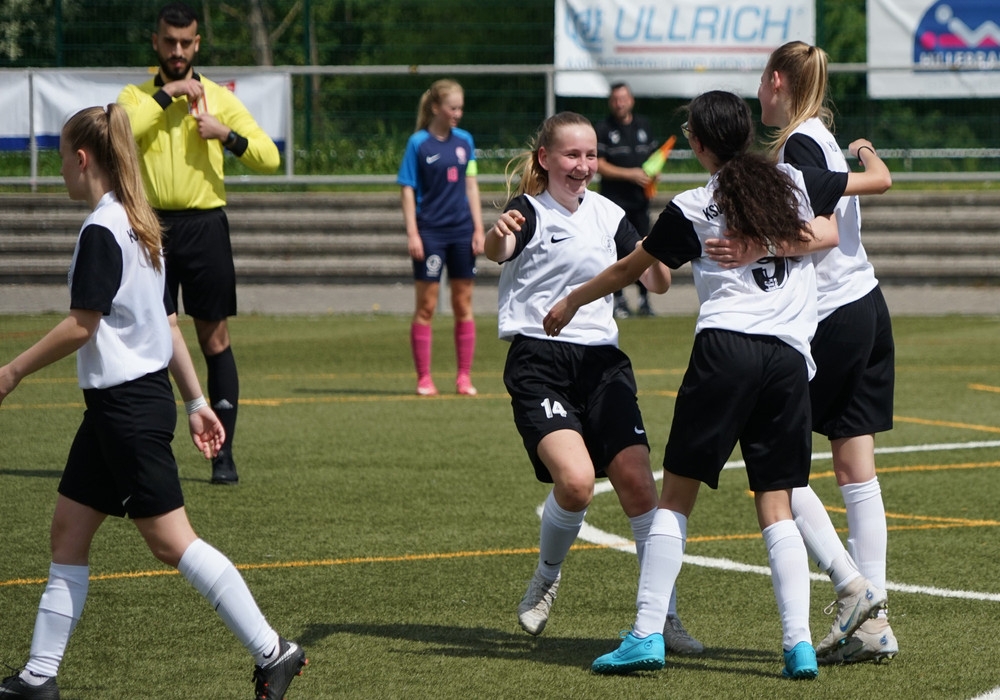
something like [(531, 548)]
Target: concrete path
[(311, 299)]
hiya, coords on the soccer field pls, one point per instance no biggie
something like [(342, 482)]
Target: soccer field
[(393, 535)]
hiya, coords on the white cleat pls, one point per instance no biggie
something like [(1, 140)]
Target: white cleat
[(873, 641), (858, 602), (533, 611)]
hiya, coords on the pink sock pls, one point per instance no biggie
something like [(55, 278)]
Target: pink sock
[(465, 345), (420, 343)]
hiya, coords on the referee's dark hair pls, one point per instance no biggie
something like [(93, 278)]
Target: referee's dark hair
[(176, 14)]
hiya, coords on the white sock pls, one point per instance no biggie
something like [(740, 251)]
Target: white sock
[(558, 533), (58, 612), (215, 577), (640, 531), (867, 529), (660, 566), (821, 539), (786, 554)]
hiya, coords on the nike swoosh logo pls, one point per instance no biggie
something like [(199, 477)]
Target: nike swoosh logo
[(433, 159), (559, 240), (845, 627), (638, 430), (268, 656)]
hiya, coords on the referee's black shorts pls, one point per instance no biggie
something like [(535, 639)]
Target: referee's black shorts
[(199, 257), (852, 392), (556, 385), (121, 462), (751, 389)]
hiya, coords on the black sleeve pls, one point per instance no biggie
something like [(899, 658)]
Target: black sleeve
[(673, 240), (626, 237), (168, 302), (521, 204), (97, 274), (801, 150), (824, 188)]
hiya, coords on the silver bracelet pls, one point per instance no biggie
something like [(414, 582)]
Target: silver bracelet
[(195, 405)]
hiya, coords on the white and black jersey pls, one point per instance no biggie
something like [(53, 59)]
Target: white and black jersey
[(772, 296), (843, 274), (558, 250), (110, 273)]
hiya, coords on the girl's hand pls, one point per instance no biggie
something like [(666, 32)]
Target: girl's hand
[(206, 431), (8, 382), (730, 253), (559, 317)]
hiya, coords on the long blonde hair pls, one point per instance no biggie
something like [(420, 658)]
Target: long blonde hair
[(438, 90), (107, 136), (803, 68), (533, 177)]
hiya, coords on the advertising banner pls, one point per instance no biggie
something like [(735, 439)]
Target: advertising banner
[(58, 94), (922, 48), (672, 49), (15, 97)]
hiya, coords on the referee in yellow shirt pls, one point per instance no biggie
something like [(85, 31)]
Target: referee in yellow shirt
[(182, 123)]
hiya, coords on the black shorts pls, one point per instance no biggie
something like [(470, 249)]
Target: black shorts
[(750, 389), (564, 386), (199, 258), (852, 391), (121, 462)]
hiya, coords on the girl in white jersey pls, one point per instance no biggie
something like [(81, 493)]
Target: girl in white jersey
[(121, 461), (574, 400), (852, 392), (750, 366)]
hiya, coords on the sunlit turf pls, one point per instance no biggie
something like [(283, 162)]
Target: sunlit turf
[(393, 535)]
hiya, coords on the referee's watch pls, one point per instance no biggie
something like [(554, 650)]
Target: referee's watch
[(230, 139)]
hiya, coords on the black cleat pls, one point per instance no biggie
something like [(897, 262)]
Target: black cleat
[(15, 687), (224, 469), (272, 681)]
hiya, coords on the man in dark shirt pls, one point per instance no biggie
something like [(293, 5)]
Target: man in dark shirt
[(624, 142)]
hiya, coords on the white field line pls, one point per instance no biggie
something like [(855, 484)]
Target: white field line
[(591, 534)]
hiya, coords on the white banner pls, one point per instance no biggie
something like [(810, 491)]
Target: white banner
[(922, 48), (699, 45), (15, 96), (60, 94)]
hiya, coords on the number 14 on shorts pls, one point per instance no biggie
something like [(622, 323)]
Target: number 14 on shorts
[(553, 408)]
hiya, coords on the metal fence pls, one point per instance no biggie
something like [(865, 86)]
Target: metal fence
[(362, 142)]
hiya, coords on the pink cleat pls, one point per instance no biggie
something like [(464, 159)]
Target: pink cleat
[(425, 387), (463, 385)]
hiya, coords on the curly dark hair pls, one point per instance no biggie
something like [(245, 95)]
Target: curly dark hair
[(759, 201)]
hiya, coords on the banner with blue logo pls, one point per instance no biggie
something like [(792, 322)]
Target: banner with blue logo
[(923, 48), (38, 101), (675, 49)]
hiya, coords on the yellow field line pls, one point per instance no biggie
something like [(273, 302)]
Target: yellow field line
[(985, 387), (948, 424), (347, 561)]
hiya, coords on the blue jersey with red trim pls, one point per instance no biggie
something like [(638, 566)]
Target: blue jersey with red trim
[(436, 170)]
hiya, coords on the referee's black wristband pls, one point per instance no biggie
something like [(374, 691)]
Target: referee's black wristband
[(230, 139)]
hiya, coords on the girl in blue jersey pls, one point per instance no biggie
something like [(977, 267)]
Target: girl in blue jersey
[(444, 227), (574, 398), (121, 462)]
